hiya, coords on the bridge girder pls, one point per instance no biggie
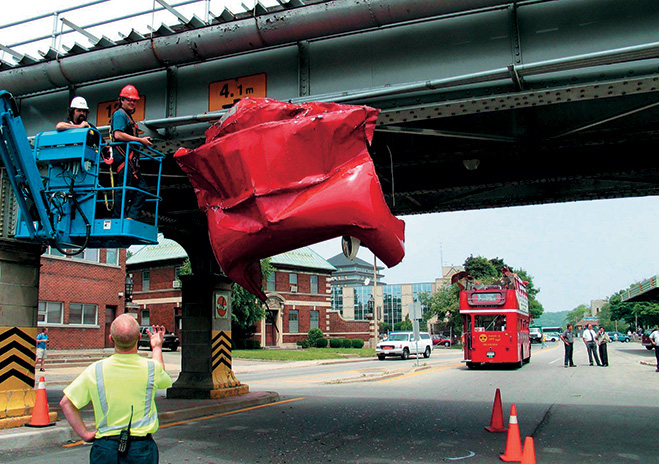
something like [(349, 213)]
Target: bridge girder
[(556, 100)]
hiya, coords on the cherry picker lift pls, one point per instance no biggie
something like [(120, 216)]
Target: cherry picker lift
[(67, 207)]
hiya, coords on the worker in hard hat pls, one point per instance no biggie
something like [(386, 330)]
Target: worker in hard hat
[(77, 116), (123, 128)]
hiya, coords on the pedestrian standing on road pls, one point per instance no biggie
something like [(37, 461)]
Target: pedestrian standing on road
[(568, 341), (542, 341), (42, 345), (590, 340), (602, 340), (122, 389), (654, 338)]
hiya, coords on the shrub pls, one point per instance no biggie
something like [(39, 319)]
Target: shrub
[(252, 344), (357, 343), (336, 342), (315, 334), (303, 343), (347, 343), (321, 343)]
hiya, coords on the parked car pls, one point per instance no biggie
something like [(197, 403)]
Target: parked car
[(552, 336), (403, 344), (645, 340), (170, 341), (619, 337), (441, 340)]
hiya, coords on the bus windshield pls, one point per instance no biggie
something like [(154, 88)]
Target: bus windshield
[(489, 322)]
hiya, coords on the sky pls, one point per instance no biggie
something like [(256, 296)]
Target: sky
[(575, 252)]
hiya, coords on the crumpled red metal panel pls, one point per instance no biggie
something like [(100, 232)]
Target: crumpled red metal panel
[(274, 176)]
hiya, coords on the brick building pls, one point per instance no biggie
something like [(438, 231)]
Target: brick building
[(79, 297), (156, 289), (299, 299), (298, 295)]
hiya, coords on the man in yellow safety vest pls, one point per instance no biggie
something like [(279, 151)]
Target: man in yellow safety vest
[(122, 389)]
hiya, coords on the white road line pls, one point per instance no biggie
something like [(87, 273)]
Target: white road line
[(552, 362)]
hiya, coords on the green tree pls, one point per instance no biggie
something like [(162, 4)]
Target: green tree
[(444, 305), (246, 309), (576, 314), (481, 269), (645, 313), (405, 325), (535, 307), (383, 327)]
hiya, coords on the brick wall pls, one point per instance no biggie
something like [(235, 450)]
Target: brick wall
[(70, 280)]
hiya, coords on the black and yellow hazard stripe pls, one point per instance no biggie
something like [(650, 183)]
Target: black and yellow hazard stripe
[(221, 349), (17, 357)]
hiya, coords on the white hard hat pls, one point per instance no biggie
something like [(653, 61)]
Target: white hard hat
[(79, 103)]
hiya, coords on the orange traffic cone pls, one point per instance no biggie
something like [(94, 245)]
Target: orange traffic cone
[(40, 416), (513, 442), (496, 423), (528, 456)]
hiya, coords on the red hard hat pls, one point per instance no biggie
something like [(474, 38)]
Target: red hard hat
[(130, 91)]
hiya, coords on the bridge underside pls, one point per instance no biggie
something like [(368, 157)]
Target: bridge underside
[(484, 103)]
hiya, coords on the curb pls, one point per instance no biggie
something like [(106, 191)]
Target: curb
[(27, 438), (230, 404), (377, 377)]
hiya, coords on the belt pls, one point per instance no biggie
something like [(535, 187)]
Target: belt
[(132, 438)]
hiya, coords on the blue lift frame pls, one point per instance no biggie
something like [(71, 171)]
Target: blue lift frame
[(63, 208)]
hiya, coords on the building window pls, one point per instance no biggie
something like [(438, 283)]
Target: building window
[(54, 252), (91, 254), (313, 319), (146, 319), (313, 283), (83, 314), (293, 321), (271, 284), (146, 277), (50, 312), (292, 279), (112, 256), (336, 297)]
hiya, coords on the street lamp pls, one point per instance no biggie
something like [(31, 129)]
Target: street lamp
[(129, 284)]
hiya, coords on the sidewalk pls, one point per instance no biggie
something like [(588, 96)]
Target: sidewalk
[(63, 367)]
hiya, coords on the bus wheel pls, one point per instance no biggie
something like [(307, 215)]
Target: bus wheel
[(426, 354), (472, 365), (406, 354), (528, 360), (521, 359)]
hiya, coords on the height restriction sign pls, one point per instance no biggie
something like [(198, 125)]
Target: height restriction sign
[(221, 305)]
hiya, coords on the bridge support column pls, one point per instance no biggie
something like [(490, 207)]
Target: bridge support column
[(19, 300), (206, 349)]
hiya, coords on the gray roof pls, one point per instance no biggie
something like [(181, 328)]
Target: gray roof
[(340, 261), (165, 250), (303, 258)]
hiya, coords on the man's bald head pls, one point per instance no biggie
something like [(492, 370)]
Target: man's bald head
[(125, 332)]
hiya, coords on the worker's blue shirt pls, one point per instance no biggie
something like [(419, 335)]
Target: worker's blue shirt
[(121, 122)]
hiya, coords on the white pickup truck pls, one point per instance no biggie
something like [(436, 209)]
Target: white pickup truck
[(403, 344)]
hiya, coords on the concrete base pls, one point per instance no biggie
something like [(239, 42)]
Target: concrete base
[(20, 421), (229, 391), (193, 393)]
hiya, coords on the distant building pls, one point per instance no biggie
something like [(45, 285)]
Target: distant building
[(79, 296), (297, 293), (154, 270), (299, 300), (597, 305)]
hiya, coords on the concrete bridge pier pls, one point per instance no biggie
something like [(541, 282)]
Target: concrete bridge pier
[(206, 336), (19, 299)]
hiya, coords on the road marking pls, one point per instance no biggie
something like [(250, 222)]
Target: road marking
[(214, 416), (425, 371)]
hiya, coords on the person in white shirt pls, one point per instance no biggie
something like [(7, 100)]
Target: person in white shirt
[(654, 338), (589, 338)]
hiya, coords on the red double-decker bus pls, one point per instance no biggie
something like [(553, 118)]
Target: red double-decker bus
[(496, 323)]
